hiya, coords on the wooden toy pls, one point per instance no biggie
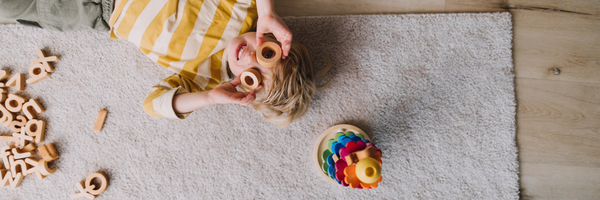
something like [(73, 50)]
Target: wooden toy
[(42, 59), (90, 188), (251, 79), (322, 141), (16, 125), (29, 147), (17, 166), (6, 116), (17, 80), (9, 139), (82, 192), (43, 168), (7, 178), (22, 139), (14, 103), (5, 152), (32, 103), (100, 120), (19, 155), (268, 54), (48, 152), (36, 128), (3, 95), (37, 73), (3, 75), (359, 155), (368, 170)]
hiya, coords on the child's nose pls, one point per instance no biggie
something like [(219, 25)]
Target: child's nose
[(251, 59)]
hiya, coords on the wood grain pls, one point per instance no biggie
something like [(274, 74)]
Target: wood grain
[(557, 122), (347, 7), (476, 6), (545, 40), (542, 181)]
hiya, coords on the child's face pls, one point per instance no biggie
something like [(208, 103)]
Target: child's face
[(241, 52)]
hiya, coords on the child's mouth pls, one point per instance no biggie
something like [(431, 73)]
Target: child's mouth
[(241, 51)]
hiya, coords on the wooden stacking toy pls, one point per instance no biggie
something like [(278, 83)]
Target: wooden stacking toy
[(268, 54), (345, 155)]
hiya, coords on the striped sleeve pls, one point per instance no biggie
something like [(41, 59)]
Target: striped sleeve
[(159, 101)]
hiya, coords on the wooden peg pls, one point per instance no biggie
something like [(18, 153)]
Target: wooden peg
[(100, 120), (37, 73), (6, 116), (43, 168), (92, 188), (48, 152), (36, 128), (7, 178), (82, 192), (17, 125), (17, 80), (14, 103), (32, 104), (42, 59), (19, 155), (354, 157), (28, 148), (17, 166)]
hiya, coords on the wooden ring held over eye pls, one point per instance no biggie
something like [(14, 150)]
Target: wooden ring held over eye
[(90, 188), (268, 54), (251, 79)]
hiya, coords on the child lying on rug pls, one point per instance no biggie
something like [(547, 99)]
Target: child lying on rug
[(204, 42)]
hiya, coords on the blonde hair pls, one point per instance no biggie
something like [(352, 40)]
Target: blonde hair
[(291, 86)]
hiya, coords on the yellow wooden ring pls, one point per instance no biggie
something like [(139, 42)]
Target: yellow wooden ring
[(103, 183), (251, 79), (264, 49)]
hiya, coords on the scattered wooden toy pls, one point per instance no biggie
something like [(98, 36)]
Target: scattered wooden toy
[(27, 130), (268, 54), (48, 152), (100, 120), (91, 190)]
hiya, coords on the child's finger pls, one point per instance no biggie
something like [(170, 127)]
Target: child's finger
[(235, 82), (259, 38)]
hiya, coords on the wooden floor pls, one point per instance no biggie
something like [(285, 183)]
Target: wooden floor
[(557, 65)]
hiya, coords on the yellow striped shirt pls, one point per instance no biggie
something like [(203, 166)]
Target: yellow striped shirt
[(185, 36)]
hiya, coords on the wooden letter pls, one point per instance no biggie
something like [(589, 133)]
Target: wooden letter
[(22, 137), (100, 120), (91, 188), (2, 94), (6, 116), (44, 60), (19, 155), (43, 168), (32, 103), (36, 128), (14, 166), (16, 125), (82, 192), (48, 152), (5, 153), (6, 178), (14, 103), (17, 80), (29, 147), (37, 73)]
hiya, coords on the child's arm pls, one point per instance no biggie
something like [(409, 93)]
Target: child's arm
[(270, 22), (223, 94)]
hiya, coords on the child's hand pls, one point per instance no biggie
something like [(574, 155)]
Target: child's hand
[(272, 23), (227, 94)]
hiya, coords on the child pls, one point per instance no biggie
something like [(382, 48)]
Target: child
[(205, 43)]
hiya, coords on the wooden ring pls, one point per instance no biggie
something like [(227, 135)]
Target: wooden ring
[(103, 183), (251, 79), (273, 52)]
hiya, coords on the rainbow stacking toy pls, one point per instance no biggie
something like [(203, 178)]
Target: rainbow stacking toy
[(344, 155)]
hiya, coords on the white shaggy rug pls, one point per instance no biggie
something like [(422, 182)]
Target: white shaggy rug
[(435, 92)]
